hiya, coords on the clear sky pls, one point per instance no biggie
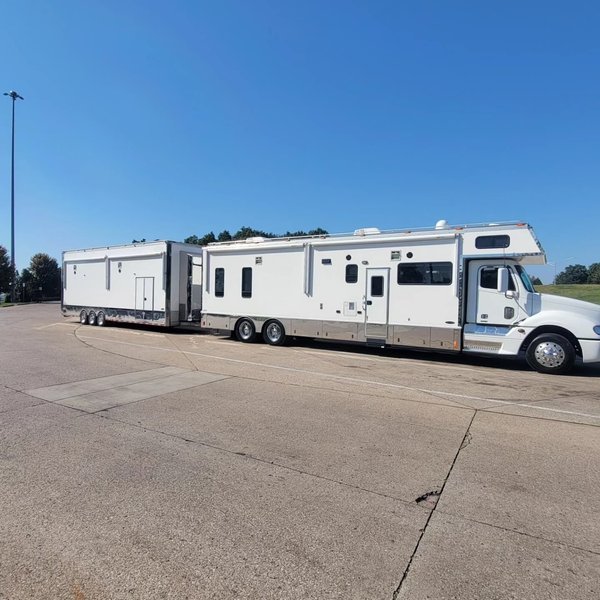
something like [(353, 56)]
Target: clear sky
[(147, 119)]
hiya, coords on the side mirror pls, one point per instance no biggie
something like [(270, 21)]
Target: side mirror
[(503, 276)]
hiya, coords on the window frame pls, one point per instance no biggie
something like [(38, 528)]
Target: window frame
[(428, 274), (246, 282)]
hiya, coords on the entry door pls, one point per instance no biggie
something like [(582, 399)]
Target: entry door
[(144, 293), (194, 288), (376, 303), (487, 306)]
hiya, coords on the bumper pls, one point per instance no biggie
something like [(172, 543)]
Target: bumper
[(590, 350)]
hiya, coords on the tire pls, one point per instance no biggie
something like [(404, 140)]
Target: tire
[(83, 317), (91, 318), (100, 319), (274, 333), (245, 331), (551, 353)]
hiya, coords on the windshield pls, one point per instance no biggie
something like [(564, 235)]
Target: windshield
[(525, 278)]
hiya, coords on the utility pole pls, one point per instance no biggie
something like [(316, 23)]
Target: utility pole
[(12, 94)]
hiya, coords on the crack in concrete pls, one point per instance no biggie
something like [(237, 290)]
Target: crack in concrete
[(426, 497)]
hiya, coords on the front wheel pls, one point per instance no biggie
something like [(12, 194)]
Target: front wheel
[(274, 333), (245, 330), (551, 353)]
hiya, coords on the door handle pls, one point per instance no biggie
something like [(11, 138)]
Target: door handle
[(369, 302)]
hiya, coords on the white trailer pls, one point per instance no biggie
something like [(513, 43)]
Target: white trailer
[(155, 283), (451, 288)]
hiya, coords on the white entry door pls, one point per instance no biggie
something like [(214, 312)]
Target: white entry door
[(376, 303), (144, 293)]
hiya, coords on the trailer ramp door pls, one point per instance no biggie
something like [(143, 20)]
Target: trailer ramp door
[(377, 303)]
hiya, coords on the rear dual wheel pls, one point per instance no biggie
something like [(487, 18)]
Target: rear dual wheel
[(245, 331), (274, 333)]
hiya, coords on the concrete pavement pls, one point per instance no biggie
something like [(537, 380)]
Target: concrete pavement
[(141, 463)]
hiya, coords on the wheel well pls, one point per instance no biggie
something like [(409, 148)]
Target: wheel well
[(552, 329)]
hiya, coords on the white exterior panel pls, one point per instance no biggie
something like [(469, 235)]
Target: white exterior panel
[(145, 283)]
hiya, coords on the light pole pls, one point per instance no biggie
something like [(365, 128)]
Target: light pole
[(12, 94)]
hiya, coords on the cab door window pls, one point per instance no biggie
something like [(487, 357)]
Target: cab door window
[(488, 278)]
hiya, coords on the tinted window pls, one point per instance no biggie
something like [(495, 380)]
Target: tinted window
[(438, 273), (377, 285), (219, 282), (489, 279), (351, 273), (247, 282), (484, 242)]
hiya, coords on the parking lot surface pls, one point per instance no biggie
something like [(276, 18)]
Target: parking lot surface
[(144, 463)]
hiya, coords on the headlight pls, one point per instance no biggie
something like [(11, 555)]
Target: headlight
[(597, 330)]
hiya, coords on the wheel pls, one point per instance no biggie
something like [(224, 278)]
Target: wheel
[(83, 317), (245, 330), (274, 333), (100, 319), (551, 353), (91, 318)]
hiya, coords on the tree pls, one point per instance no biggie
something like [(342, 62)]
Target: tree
[(5, 270), (243, 233), (573, 274), (45, 276), (536, 281), (209, 238), (594, 273)]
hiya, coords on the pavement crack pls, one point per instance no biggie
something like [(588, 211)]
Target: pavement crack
[(432, 498), (247, 456)]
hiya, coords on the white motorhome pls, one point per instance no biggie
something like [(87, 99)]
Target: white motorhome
[(155, 283), (451, 288)]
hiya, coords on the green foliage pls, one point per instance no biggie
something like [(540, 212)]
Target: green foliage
[(5, 270), (594, 273), (41, 280), (209, 238), (587, 292), (572, 274), (243, 233)]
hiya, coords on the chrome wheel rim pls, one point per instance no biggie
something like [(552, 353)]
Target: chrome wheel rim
[(550, 354), (245, 330), (274, 332)]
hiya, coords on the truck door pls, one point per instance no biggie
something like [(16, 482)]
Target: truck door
[(487, 306), (144, 294), (376, 303)]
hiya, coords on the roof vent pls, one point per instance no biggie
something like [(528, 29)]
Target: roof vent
[(442, 224), (367, 231), (255, 240)]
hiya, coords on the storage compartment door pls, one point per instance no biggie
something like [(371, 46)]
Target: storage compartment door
[(144, 294)]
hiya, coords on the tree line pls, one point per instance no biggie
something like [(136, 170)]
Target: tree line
[(579, 274), (243, 233), (40, 281)]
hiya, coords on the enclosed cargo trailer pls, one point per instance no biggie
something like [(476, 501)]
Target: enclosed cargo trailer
[(155, 283)]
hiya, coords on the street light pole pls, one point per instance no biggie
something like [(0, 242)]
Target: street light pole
[(12, 94)]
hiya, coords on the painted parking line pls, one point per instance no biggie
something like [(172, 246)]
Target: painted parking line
[(352, 380)]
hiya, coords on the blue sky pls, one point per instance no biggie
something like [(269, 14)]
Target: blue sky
[(161, 120)]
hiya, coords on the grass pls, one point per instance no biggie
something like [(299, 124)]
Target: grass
[(588, 292)]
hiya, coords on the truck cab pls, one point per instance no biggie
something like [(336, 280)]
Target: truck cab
[(504, 315)]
